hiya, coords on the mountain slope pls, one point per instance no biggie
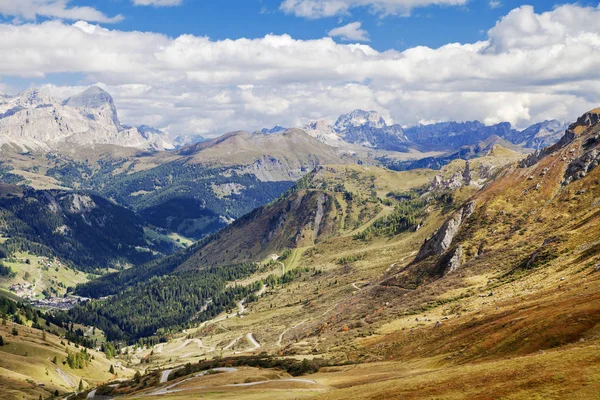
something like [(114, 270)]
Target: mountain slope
[(83, 230), (330, 201)]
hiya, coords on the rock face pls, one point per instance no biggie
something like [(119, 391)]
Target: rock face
[(542, 134), (369, 129), (585, 163), (442, 239), (33, 121), (365, 128), (454, 261)]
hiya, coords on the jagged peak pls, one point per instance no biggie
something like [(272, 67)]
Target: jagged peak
[(588, 119), (32, 97), (359, 118)]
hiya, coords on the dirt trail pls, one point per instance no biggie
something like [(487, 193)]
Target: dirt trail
[(402, 260), (286, 331), (261, 291), (69, 380), (234, 341), (197, 341), (170, 388), (299, 380), (164, 377), (251, 339)]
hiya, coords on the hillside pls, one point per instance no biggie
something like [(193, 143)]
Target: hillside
[(83, 230), (493, 293), (37, 360), (330, 201)]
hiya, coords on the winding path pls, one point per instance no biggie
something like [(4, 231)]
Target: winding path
[(197, 341), (234, 341), (170, 388), (251, 339), (164, 377), (286, 331)]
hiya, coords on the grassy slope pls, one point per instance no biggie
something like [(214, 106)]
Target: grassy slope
[(50, 276), (26, 362)]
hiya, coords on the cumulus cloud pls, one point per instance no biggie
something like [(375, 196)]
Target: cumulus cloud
[(350, 32), (158, 3), (329, 8), (531, 67), (31, 9)]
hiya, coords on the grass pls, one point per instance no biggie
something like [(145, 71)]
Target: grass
[(26, 362)]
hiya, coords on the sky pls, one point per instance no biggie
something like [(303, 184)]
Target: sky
[(208, 67)]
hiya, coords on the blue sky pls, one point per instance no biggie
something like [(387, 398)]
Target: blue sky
[(209, 67), (431, 26)]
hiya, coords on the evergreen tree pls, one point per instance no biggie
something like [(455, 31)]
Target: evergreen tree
[(1, 341), (112, 370), (80, 389)]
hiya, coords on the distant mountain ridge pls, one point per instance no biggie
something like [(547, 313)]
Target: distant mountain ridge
[(370, 130), (34, 121), (365, 128)]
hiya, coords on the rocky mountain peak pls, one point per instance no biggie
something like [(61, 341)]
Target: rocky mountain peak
[(275, 129), (93, 97), (32, 97), (32, 121), (359, 118)]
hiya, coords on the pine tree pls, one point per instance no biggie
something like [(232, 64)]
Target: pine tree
[(80, 385), (1, 341), (112, 370), (15, 332)]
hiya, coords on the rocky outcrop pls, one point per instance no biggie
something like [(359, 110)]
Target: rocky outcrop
[(443, 238), (582, 166), (581, 125), (453, 261)]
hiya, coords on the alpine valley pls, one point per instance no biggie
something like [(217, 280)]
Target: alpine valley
[(355, 259)]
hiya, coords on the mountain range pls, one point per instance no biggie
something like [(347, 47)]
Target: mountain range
[(33, 121)]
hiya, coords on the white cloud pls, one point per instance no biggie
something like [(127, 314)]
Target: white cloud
[(495, 4), (350, 32), (530, 67), (158, 3), (328, 8), (31, 9)]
